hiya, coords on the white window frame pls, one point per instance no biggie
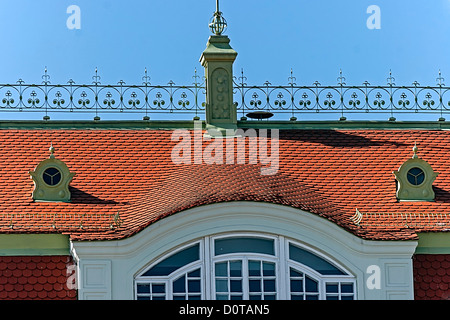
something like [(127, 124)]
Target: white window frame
[(245, 276), (322, 279), (283, 263), (169, 279)]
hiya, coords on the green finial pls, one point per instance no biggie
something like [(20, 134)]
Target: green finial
[(52, 151), (415, 149), (218, 24)]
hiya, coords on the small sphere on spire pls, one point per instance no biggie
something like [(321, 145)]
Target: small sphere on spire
[(415, 149), (218, 24), (52, 151)]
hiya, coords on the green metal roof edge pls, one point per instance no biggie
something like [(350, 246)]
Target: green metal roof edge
[(433, 243), (24, 244)]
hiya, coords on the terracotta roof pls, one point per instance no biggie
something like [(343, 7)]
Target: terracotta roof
[(126, 180), (35, 278), (431, 276)]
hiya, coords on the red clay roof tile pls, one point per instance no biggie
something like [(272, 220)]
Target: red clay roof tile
[(25, 283), (130, 172), (431, 276)]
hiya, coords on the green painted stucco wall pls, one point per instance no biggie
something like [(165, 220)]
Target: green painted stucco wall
[(34, 244), (433, 243)]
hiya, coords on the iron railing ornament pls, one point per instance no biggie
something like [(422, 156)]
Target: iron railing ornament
[(282, 102), (98, 98), (343, 99)]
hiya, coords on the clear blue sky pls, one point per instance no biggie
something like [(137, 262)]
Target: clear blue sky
[(315, 38)]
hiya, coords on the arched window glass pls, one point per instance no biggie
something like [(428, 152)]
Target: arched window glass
[(177, 276), (187, 286), (245, 267), (302, 286), (174, 262), (244, 244), (313, 261)]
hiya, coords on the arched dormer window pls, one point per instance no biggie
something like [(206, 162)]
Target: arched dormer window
[(244, 267), (415, 179), (51, 179)]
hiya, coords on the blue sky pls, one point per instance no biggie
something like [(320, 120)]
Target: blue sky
[(315, 38)]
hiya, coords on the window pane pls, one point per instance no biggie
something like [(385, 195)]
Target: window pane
[(269, 297), (415, 176), (296, 297), (179, 285), (255, 286), (347, 287), (244, 244), (194, 285), (295, 273), (269, 285), (254, 268), (143, 288), (230, 280), (268, 269), (151, 291), (236, 285), (332, 288), (296, 286), (221, 285), (158, 288), (221, 269), (311, 260), (310, 285), (235, 268), (175, 261), (195, 273), (51, 176), (221, 297), (255, 297)]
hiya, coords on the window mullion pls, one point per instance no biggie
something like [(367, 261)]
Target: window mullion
[(169, 289), (186, 283), (208, 270), (282, 274), (322, 290), (245, 279)]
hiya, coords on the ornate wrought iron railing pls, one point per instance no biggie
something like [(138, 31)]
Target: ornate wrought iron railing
[(97, 98), (283, 102), (268, 100)]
